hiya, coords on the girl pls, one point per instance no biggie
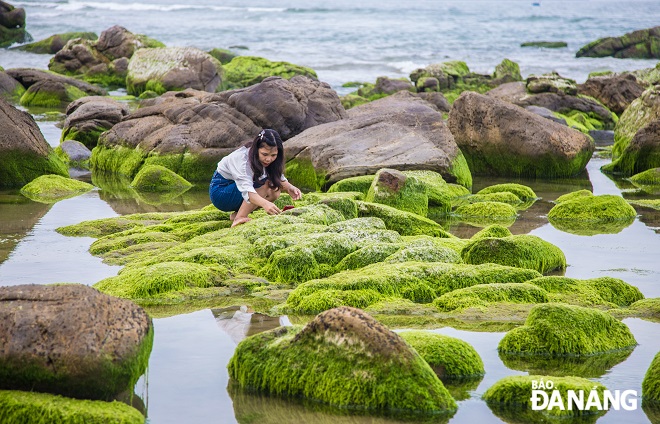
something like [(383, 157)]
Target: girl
[(252, 177)]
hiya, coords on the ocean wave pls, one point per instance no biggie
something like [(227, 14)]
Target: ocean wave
[(74, 6)]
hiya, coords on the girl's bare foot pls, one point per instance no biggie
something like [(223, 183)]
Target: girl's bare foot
[(239, 221), (232, 216)]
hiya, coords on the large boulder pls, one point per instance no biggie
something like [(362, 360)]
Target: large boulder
[(24, 152), (642, 153), (88, 117), (172, 69), (616, 91), (10, 89), (71, 340), (104, 61), (642, 44), (12, 25), (639, 114), (190, 131), (46, 89), (499, 138), (400, 131), (343, 358)]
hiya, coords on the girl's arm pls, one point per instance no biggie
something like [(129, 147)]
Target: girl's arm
[(293, 191), (267, 205)]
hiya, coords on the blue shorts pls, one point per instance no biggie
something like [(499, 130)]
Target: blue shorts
[(225, 195)]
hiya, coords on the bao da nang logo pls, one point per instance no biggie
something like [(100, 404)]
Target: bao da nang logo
[(546, 397)]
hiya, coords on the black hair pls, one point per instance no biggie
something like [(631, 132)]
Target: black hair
[(274, 171)]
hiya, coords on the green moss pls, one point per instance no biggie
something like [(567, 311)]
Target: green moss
[(461, 170), (484, 294), (53, 188), (492, 211), (650, 177), (406, 307), (405, 223), (522, 191), (494, 230), (557, 329), (437, 190), (574, 196), (157, 178), (410, 197), (145, 282), (117, 160), (120, 241), (602, 291), (546, 44), (651, 383), (302, 174), (41, 408), (244, 71), (360, 184), (106, 226), (646, 308), (583, 122), (40, 98), (595, 209), (316, 214), (323, 300), (523, 251), (508, 68), (429, 253), (372, 253), (633, 161), (448, 356), (49, 45), (89, 137), (351, 100), (510, 396), (18, 168), (501, 197), (294, 264), (345, 369), (593, 366), (636, 116)]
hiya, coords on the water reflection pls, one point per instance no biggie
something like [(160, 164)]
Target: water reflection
[(240, 322), (18, 216), (591, 228), (514, 415)]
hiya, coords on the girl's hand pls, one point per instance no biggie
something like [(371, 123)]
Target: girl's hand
[(294, 192), (271, 209)]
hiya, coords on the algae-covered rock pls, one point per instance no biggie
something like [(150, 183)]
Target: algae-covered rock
[(440, 194), (651, 383), (55, 43), (501, 197), (558, 329), (586, 214), (551, 83), (510, 398), (393, 188), (156, 178), (482, 295), (53, 188), (425, 253), (601, 291), (545, 44), (523, 250), (360, 184), (648, 177), (448, 356), (642, 153), (640, 44), (523, 192), (508, 71), (342, 358), (367, 255), (71, 340), (486, 211), (494, 230), (244, 71), (405, 223), (33, 407), (641, 112)]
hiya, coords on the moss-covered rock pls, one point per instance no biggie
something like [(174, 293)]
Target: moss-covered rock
[(501, 197), (511, 397), (53, 188), (494, 230), (648, 177), (50, 95), (637, 115), (523, 251), (482, 295), (393, 188), (54, 43), (244, 71), (448, 356), (523, 192), (405, 223), (601, 291), (224, 56), (33, 407), (156, 178), (425, 253), (508, 71), (360, 184), (582, 213), (558, 329), (343, 358), (367, 255), (651, 383), (545, 44), (487, 212), (439, 193)]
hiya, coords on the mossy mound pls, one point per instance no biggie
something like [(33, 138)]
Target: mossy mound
[(545, 44), (53, 188), (651, 383), (586, 214), (105, 226), (156, 178), (522, 251), (646, 308), (648, 177), (405, 223), (642, 111), (603, 291), (425, 253), (342, 358), (512, 395), (653, 204), (439, 193), (574, 195), (33, 407), (360, 184), (501, 197), (392, 188), (448, 356), (523, 192), (367, 255), (558, 329), (494, 230), (419, 282), (152, 280), (54, 43), (488, 210), (244, 71), (483, 295), (399, 307)]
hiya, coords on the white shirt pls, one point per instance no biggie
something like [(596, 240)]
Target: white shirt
[(236, 167)]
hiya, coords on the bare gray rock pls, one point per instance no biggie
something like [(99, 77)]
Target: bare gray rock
[(88, 117), (615, 91)]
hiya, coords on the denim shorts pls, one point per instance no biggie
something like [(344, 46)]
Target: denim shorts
[(225, 195)]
